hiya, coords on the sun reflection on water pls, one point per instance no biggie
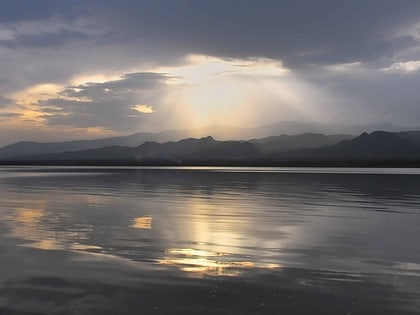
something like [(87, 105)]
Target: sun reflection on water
[(207, 235), (210, 263), (143, 222), (50, 244)]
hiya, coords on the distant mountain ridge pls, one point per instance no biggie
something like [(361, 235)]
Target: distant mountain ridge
[(305, 140), (36, 148), (220, 132), (184, 150), (377, 146)]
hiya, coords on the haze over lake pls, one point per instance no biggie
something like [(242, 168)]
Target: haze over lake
[(209, 240)]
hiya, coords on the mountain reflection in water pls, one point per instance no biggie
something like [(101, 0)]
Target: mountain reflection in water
[(197, 240)]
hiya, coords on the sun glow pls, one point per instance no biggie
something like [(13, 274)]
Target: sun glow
[(27, 99), (201, 69), (203, 92), (221, 91), (36, 93)]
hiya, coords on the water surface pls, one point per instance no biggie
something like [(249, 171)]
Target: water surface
[(209, 240)]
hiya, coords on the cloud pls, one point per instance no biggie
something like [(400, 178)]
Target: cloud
[(142, 108), (203, 91), (5, 116), (38, 41), (297, 32), (111, 105), (5, 102), (364, 94), (404, 67), (20, 10)]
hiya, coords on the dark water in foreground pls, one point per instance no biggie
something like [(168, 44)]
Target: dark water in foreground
[(209, 241)]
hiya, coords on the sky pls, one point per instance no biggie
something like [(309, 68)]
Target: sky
[(88, 69)]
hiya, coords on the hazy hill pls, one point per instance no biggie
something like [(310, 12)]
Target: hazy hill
[(307, 140), (184, 150), (219, 132), (376, 146), (35, 148), (295, 128)]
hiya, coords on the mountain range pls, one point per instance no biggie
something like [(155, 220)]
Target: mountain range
[(375, 147), (260, 134)]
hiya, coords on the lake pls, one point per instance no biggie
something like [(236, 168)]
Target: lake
[(127, 240)]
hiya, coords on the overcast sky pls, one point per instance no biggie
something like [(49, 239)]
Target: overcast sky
[(87, 69)]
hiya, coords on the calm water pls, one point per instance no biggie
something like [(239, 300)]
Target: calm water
[(209, 241)]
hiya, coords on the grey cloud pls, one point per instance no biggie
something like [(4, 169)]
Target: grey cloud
[(130, 88), (136, 81), (8, 115), (44, 40), (112, 115), (5, 102), (108, 104), (300, 33), (22, 10), (370, 95), (5, 116), (294, 31), (67, 49)]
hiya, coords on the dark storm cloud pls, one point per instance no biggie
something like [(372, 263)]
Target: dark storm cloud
[(45, 40), (297, 31), (23, 10), (108, 105)]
